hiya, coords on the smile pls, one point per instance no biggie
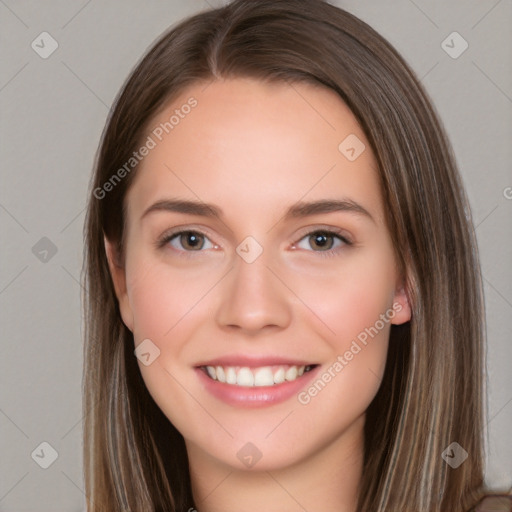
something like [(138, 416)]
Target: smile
[(255, 381), (258, 376)]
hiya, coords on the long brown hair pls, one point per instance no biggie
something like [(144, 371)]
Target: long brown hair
[(432, 391)]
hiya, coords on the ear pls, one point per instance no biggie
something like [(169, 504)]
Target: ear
[(117, 272), (401, 304)]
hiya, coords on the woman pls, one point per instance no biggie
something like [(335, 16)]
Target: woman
[(284, 304)]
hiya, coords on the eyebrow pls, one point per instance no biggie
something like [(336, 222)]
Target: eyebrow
[(297, 210)]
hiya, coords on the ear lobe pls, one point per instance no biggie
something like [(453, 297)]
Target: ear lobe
[(118, 275), (401, 306)]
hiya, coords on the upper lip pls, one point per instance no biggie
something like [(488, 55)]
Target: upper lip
[(254, 362)]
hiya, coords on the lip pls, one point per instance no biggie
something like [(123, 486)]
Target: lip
[(257, 396)]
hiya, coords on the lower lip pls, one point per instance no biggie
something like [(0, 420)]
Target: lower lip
[(257, 396)]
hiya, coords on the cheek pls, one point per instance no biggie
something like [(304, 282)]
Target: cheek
[(359, 342), (350, 296), (355, 306), (161, 297), (166, 305)]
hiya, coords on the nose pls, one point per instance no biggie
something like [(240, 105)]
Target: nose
[(253, 298)]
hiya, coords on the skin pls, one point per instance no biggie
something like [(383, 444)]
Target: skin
[(254, 149)]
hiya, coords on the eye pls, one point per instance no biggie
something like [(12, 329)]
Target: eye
[(324, 241), (188, 240)]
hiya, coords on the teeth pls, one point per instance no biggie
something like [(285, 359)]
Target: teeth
[(245, 377), (279, 376), (221, 376), (251, 377), (264, 377), (291, 373), (230, 375)]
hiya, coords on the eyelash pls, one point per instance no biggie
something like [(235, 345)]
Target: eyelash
[(167, 237)]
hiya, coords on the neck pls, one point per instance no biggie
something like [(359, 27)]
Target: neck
[(326, 480)]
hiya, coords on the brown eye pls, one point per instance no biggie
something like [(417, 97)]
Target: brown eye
[(322, 241), (191, 240), (187, 241)]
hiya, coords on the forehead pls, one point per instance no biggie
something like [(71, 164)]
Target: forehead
[(252, 147)]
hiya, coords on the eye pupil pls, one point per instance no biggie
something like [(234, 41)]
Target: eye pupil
[(321, 240), (191, 240)]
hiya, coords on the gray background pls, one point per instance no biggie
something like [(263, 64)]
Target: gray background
[(53, 111)]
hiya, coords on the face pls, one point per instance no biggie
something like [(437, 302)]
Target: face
[(264, 318)]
